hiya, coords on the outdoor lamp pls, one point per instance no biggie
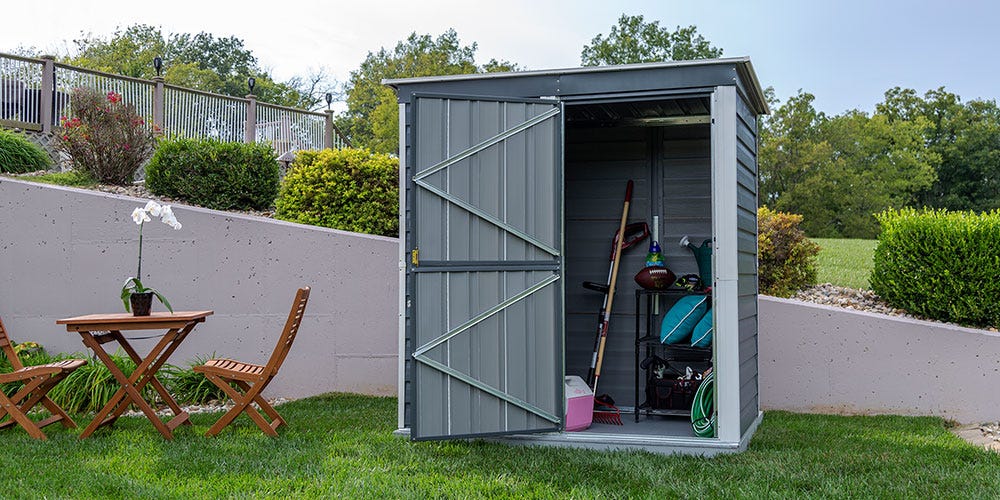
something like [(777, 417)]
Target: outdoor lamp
[(329, 99), (250, 83), (158, 64)]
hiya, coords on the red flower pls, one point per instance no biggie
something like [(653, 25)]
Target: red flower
[(114, 96)]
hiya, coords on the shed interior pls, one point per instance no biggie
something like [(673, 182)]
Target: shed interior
[(664, 146)]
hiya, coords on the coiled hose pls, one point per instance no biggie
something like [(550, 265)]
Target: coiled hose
[(702, 411)]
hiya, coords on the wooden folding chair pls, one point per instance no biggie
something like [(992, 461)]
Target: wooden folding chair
[(38, 381), (252, 379)]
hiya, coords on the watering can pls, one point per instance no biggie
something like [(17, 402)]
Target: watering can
[(702, 255)]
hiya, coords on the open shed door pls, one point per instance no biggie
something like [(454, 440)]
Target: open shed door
[(487, 309)]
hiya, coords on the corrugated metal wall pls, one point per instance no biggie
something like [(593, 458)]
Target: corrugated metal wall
[(515, 351), (670, 166), (746, 199)]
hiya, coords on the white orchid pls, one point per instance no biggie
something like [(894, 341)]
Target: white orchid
[(168, 218), (141, 216), (153, 208)]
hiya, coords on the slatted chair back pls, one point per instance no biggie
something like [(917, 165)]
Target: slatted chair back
[(288, 334), (8, 348)]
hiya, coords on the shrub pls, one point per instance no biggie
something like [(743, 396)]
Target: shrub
[(940, 264), (786, 258), (349, 189), (215, 174), (19, 155), (106, 138), (188, 386)]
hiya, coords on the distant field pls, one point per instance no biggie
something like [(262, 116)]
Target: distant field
[(845, 262)]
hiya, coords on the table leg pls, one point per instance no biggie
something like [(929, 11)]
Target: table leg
[(157, 385), (127, 389), (156, 358)]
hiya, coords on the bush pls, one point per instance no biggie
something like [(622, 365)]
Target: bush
[(786, 258), (106, 138), (189, 386), (940, 264), (19, 155), (215, 174), (349, 189)]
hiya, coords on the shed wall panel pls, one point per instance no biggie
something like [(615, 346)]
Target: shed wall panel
[(746, 170)]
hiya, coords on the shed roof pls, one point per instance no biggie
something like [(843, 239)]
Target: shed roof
[(671, 75)]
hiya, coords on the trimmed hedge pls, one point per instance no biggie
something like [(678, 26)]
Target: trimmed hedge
[(786, 258), (940, 264), (215, 174), (19, 155), (349, 189)]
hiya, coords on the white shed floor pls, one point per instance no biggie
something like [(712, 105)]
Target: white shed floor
[(646, 426)]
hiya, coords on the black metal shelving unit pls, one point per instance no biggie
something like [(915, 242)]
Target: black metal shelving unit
[(646, 344)]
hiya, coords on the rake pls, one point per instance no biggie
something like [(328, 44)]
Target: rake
[(605, 410)]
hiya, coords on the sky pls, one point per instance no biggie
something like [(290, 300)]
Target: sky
[(845, 52)]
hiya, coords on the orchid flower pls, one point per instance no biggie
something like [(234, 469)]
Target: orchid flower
[(141, 216)]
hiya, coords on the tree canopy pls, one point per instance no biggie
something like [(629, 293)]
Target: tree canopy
[(200, 61), (372, 114), (633, 40), (965, 136), (839, 171)]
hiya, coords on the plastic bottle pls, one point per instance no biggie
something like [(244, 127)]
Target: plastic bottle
[(655, 256)]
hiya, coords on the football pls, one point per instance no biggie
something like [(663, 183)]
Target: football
[(655, 278)]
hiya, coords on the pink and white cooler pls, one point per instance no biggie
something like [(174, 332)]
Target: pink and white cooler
[(579, 404)]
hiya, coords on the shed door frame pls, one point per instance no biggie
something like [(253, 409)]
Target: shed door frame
[(418, 180)]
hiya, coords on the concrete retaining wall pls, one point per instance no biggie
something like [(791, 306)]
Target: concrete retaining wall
[(825, 359), (65, 252)]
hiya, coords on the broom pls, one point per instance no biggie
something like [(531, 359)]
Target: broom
[(605, 410)]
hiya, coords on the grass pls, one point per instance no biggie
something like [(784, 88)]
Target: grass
[(845, 262), (341, 445), (71, 178)]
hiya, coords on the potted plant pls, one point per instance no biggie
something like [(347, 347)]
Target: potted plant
[(136, 297)]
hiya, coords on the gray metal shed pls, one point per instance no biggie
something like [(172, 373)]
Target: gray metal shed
[(511, 189)]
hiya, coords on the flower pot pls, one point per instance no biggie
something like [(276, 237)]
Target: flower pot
[(141, 303)]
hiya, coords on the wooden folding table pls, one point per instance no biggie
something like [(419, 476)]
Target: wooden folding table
[(99, 329)]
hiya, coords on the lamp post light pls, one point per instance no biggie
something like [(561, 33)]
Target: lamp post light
[(158, 64), (250, 83), (329, 99)]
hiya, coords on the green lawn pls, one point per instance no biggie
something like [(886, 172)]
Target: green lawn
[(845, 262), (342, 446)]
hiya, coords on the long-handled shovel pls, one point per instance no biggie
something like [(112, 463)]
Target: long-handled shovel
[(604, 409)]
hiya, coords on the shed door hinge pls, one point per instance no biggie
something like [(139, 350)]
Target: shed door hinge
[(415, 257)]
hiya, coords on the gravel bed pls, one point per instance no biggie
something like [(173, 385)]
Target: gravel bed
[(209, 407), (858, 300), (140, 191)]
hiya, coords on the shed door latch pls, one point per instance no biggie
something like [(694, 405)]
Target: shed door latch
[(415, 257)]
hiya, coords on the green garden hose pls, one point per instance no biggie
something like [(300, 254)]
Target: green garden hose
[(702, 411)]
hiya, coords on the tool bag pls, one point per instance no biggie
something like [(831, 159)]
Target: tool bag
[(664, 390), (670, 394)]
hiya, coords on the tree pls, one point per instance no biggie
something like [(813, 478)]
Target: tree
[(839, 171), (633, 40), (965, 136), (200, 61), (790, 146), (371, 119)]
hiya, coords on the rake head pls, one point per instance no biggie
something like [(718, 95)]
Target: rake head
[(605, 411)]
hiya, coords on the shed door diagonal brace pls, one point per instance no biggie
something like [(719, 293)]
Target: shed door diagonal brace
[(420, 180), (420, 354)]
